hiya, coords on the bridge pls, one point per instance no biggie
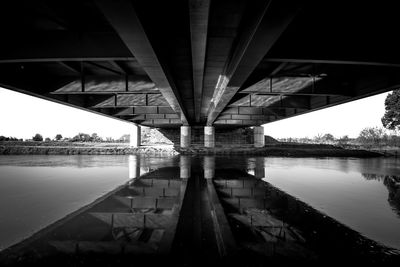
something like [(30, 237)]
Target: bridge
[(209, 64)]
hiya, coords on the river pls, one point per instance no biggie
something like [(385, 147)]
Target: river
[(362, 194)]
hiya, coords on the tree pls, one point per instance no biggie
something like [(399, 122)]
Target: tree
[(81, 137), (344, 140), (328, 138), (318, 138), (47, 139), (95, 138), (37, 137), (372, 135), (391, 118), (125, 138), (58, 137)]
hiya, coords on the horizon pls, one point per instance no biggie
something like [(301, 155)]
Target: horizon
[(345, 119)]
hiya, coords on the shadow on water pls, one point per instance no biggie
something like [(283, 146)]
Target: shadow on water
[(200, 211), (392, 183)]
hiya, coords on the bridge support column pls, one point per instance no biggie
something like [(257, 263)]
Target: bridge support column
[(209, 136), (135, 138), (185, 136), (259, 136)]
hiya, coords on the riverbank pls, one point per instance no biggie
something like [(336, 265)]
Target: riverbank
[(75, 148), (283, 150), (276, 150)]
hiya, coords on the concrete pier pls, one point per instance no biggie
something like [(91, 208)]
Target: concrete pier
[(259, 140), (185, 136), (209, 136), (135, 138)]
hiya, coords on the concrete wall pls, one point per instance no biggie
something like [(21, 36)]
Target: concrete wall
[(241, 136)]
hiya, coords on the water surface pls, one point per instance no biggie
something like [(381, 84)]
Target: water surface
[(36, 191)]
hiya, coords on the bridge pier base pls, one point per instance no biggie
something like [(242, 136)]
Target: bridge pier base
[(209, 136), (185, 136), (259, 140), (135, 138)]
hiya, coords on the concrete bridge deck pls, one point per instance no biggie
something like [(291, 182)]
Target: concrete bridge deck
[(223, 63)]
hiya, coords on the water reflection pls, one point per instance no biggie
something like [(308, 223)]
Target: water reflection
[(38, 190), (185, 166), (257, 167), (272, 205), (209, 167), (392, 183), (337, 188), (134, 166)]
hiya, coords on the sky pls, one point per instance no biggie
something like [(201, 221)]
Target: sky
[(23, 116), (345, 119)]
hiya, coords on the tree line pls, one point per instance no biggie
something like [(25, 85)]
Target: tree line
[(80, 137), (369, 137)]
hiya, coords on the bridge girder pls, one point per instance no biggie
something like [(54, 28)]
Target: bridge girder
[(198, 62)]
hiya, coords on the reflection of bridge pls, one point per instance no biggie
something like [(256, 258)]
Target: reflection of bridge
[(224, 63)]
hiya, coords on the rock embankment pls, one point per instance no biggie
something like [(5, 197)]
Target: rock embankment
[(283, 150), (273, 150), (65, 148)]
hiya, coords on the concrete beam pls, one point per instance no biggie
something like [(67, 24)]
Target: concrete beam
[(63, 46), (260, 35), (138, 110), (325, 59), (109, 84), (133, 100), (301, 86), (110, 70), (162, 123), (122, 16), (198, 12), (223, 28)]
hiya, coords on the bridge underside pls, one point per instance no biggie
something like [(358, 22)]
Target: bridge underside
[(219, 63)]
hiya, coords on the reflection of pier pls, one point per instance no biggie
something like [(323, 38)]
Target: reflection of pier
[(197, 214), (185, 167), (138, 218), (257, 167), (134, 166), (209, 167)]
